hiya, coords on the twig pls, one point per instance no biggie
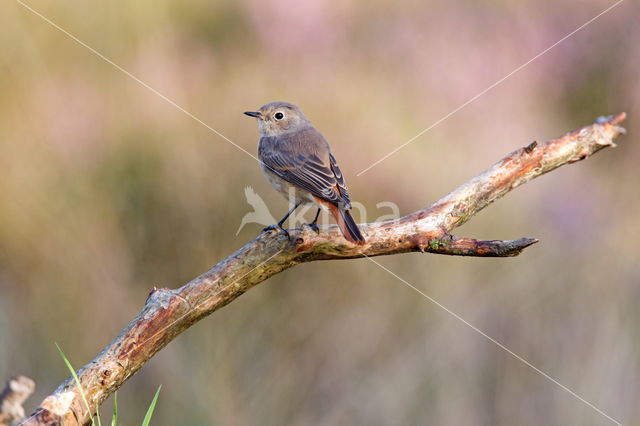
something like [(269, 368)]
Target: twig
[(168, 313), (16, 391)]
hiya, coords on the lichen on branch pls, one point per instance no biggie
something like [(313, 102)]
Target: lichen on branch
[(167, 313)]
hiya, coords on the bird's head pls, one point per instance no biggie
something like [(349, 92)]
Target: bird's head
[(277, 118)]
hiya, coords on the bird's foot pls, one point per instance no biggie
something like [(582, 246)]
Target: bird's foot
[(313, 226), (278, 228)]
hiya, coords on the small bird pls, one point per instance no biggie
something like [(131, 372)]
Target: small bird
[(295, 156)]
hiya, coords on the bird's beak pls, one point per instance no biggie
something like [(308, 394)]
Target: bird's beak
[(255, 114)]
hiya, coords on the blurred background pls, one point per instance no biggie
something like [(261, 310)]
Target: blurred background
[(107, 190)]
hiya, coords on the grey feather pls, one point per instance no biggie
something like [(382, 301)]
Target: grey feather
[(303, 158)]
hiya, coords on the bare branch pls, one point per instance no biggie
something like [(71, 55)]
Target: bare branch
[(168, 313), (16, 391)]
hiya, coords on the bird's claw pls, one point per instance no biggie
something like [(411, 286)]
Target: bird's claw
[(278, 228), (313, 226)]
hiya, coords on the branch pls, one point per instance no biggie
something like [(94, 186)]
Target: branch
[(16, 391), (168, 313)]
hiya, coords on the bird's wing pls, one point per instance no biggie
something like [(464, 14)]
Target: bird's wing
[(305, 161), (342, 185)]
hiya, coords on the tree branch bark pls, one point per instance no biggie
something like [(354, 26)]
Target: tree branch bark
[(168, 313), (16, 391)]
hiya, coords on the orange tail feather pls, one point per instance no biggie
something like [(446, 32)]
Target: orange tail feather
[(345, 222)]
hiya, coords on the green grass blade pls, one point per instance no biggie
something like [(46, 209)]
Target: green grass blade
[(147, 417), (75, 377), (98, 414), (114, 418)]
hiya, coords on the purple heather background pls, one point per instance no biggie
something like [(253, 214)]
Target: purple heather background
[(107, 191)]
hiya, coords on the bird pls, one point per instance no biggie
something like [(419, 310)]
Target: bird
[(296, 159)]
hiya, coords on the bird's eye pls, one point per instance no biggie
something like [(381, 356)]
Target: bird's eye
[(278, 115)]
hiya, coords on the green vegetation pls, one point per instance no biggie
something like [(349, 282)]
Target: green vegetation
[(114, 417)]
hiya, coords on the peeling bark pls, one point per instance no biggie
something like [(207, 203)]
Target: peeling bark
[(16, 391), (168, 313)]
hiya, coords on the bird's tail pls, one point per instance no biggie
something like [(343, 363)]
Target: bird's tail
[(345, 222), (349, 227)]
